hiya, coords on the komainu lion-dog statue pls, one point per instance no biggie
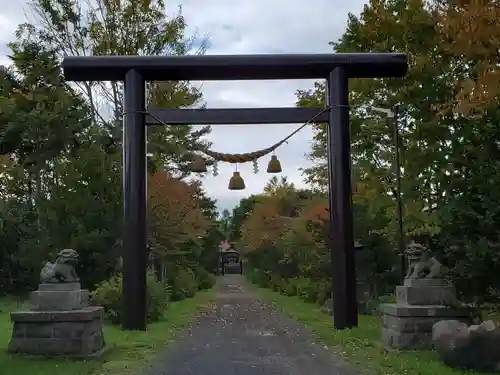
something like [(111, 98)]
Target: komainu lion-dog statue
[(421, 264), (62, 270)]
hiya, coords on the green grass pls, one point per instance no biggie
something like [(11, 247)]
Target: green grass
[(129, 350), (358, 346)]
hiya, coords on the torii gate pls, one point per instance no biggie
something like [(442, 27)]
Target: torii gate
[(335, 68)]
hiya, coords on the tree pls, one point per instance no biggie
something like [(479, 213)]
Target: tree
[(206, 204), (264, 225), (224, 222), (45, 127), (240, 213), (41, 115), (209, 256), (277, 186), (60, 164), (428, 139), (131, 27), (83, 188), (446, 154), (470, 30), (225, 214), (175, 217)]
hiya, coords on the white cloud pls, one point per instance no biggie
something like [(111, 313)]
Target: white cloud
[(246, 27)]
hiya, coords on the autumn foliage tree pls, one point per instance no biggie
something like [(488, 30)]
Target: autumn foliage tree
[(175, 217), (448, 125), (286, 239), (264, 226), (470, 30)]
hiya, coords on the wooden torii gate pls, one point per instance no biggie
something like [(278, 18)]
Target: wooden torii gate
[(136, 70)]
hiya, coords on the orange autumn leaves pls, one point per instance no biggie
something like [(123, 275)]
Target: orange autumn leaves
[(456, 38), (268, 226), (265, 225), (175, 217), (471, 32)]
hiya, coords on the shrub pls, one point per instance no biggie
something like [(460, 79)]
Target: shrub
[(109, 294), (275, 283), (304, 289), (259, 277), (157, 298), (204, 279), (309, 290), (288, 287), (184, 285), (324, 291)]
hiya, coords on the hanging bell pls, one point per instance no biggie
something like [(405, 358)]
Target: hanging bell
[(198, 165), (236, 182), (274, 165)]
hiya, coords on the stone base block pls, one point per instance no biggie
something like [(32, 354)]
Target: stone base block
[(410, 327), (59, 300), (76, 333), (426, 295)]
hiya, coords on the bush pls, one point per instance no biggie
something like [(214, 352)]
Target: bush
[(275, 283), (184, 285), (288, 287), (259, 277), (204, 279), (109, 295), (324, 290), (313, 291), (306, 289), (157, 298)]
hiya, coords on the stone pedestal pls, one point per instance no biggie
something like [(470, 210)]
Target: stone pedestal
[(60, 323), (59, 297), (419, 304)]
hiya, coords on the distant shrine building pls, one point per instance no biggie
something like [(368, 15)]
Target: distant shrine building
[(229, 259)]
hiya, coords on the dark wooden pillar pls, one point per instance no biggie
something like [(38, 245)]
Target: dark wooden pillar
[(135, 254), (345, 310)]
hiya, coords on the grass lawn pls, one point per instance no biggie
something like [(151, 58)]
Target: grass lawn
[(130, 350), (358, 346)]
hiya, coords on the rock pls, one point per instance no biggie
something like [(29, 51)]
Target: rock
[(475, 347)]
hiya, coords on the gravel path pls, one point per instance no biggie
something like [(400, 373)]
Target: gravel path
[(241, 335)]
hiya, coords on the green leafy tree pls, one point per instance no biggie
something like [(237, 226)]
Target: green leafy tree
[(132, 27), (446, 155), (80, 184), (41, 115), (240, 213), (60, 164)]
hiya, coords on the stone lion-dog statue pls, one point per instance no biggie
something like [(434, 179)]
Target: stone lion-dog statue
[(62, 270), (421, 264)]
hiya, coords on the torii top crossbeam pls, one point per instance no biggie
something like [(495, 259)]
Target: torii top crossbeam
[(235, 67)]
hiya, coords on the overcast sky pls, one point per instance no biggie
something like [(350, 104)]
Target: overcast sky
[(245, 27)]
